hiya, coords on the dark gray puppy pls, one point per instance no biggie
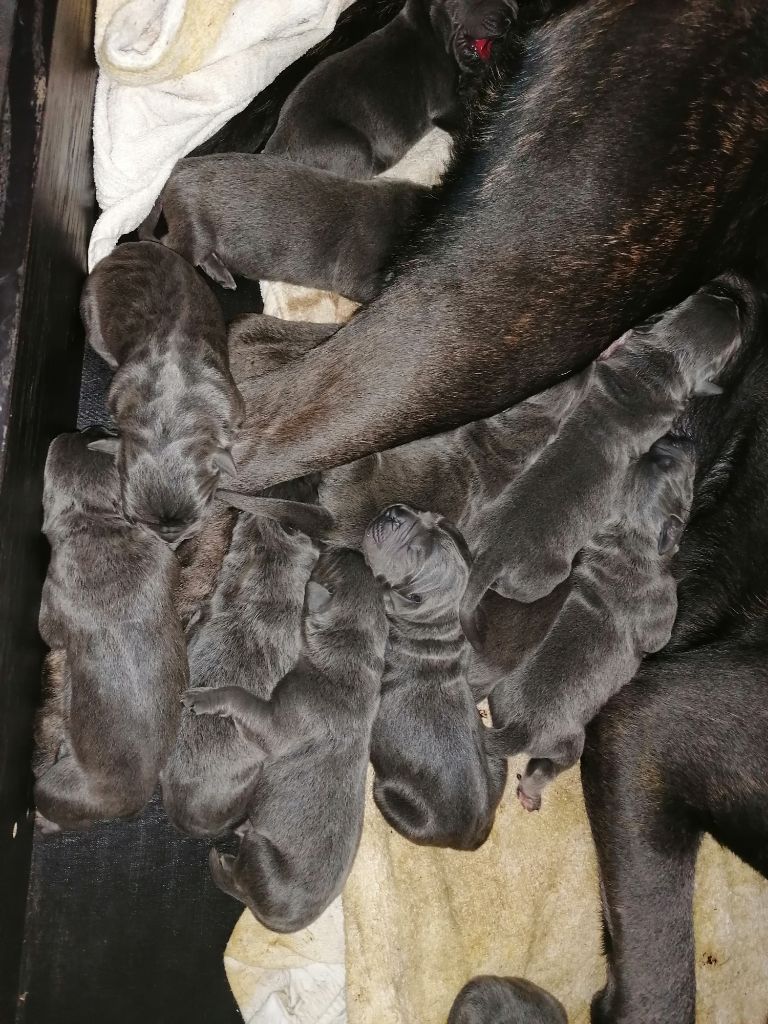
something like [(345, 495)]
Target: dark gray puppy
[(248, 634), (359, 111), (491, 1000), (152, 318), (621, 604), (434, 781), (306, 810), (528, 540), (339, 235), (456, 474), (117, 666)]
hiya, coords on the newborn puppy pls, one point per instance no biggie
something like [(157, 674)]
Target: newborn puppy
[(634, 393), (148, 314), (248, 634), (456, 474), (359, 111), (621, 604), (306, 810), (434, 782), (336, 235), (491, 1000), (117, 664)]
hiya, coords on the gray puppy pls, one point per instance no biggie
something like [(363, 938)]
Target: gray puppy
[(338, 235), (634, 393), (117, 665), (359, 111), (456, 474), (434, 781), (306, 810), (492, 1000), (151, 317), (248, 634), (621, 604)]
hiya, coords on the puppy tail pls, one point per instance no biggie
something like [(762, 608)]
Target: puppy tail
[(146, 230), (507, 741), (313, 520)]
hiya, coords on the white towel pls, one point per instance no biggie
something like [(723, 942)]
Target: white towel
[(141, 130)]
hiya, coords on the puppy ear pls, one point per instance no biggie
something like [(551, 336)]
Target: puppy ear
[(213, 266), (108, 445), (223, 461), (318, 597), (671, 533)]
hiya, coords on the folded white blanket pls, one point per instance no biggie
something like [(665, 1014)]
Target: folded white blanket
[(141, 130)]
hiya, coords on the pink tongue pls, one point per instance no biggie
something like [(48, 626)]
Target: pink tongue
[(483, 48)]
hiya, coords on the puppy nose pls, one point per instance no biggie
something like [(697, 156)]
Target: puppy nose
[(398, 513), (168, 531)]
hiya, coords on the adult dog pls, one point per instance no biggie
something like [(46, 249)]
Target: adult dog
[(684, 749), (622, 166)]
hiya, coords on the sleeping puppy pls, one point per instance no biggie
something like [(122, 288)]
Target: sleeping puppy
[(248, 634), (338, 235), (148, 314), (621, 605), (359, 111), (456, 474), (434, 782), (117, 665), (529, 537), (491, 1000), (306, 810)]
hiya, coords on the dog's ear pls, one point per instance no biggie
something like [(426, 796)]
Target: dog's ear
[(107, 445), (318, 597), (224, 462), (671, 534), (214, 267), (474, 626)]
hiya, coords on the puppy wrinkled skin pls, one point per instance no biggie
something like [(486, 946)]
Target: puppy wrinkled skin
[(621, 604), (151, 317), (359, 111), (248, 634), (305, 813), (337, 235), (491, 1000), (434, 781), (528, 539), (117, 664)]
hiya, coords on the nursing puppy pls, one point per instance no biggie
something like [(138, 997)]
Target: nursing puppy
[(148, 314), (306, 810), (456, 474), (358, 112), (621, 605), (117, 665), (633, 395), (492, 1000), (221, 212), (248, 634), (434, 782)]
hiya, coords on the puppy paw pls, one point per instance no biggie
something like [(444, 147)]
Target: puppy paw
[(530, 803), (202, 701), (44, 826)]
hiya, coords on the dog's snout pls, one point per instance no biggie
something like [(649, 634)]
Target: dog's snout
[(170, 530)]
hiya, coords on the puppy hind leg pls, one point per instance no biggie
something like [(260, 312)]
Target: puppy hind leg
[(540, 771)]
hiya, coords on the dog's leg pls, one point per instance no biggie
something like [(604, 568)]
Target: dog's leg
[(252, 715), (540, 771), (682, 747)]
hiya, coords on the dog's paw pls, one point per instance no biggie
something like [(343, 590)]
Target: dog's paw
[(530, 803), (46, 827), (201, 701)]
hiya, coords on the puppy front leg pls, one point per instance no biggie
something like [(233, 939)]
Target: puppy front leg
[(252, 715)]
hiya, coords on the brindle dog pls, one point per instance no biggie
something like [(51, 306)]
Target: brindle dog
[(568, 222)]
